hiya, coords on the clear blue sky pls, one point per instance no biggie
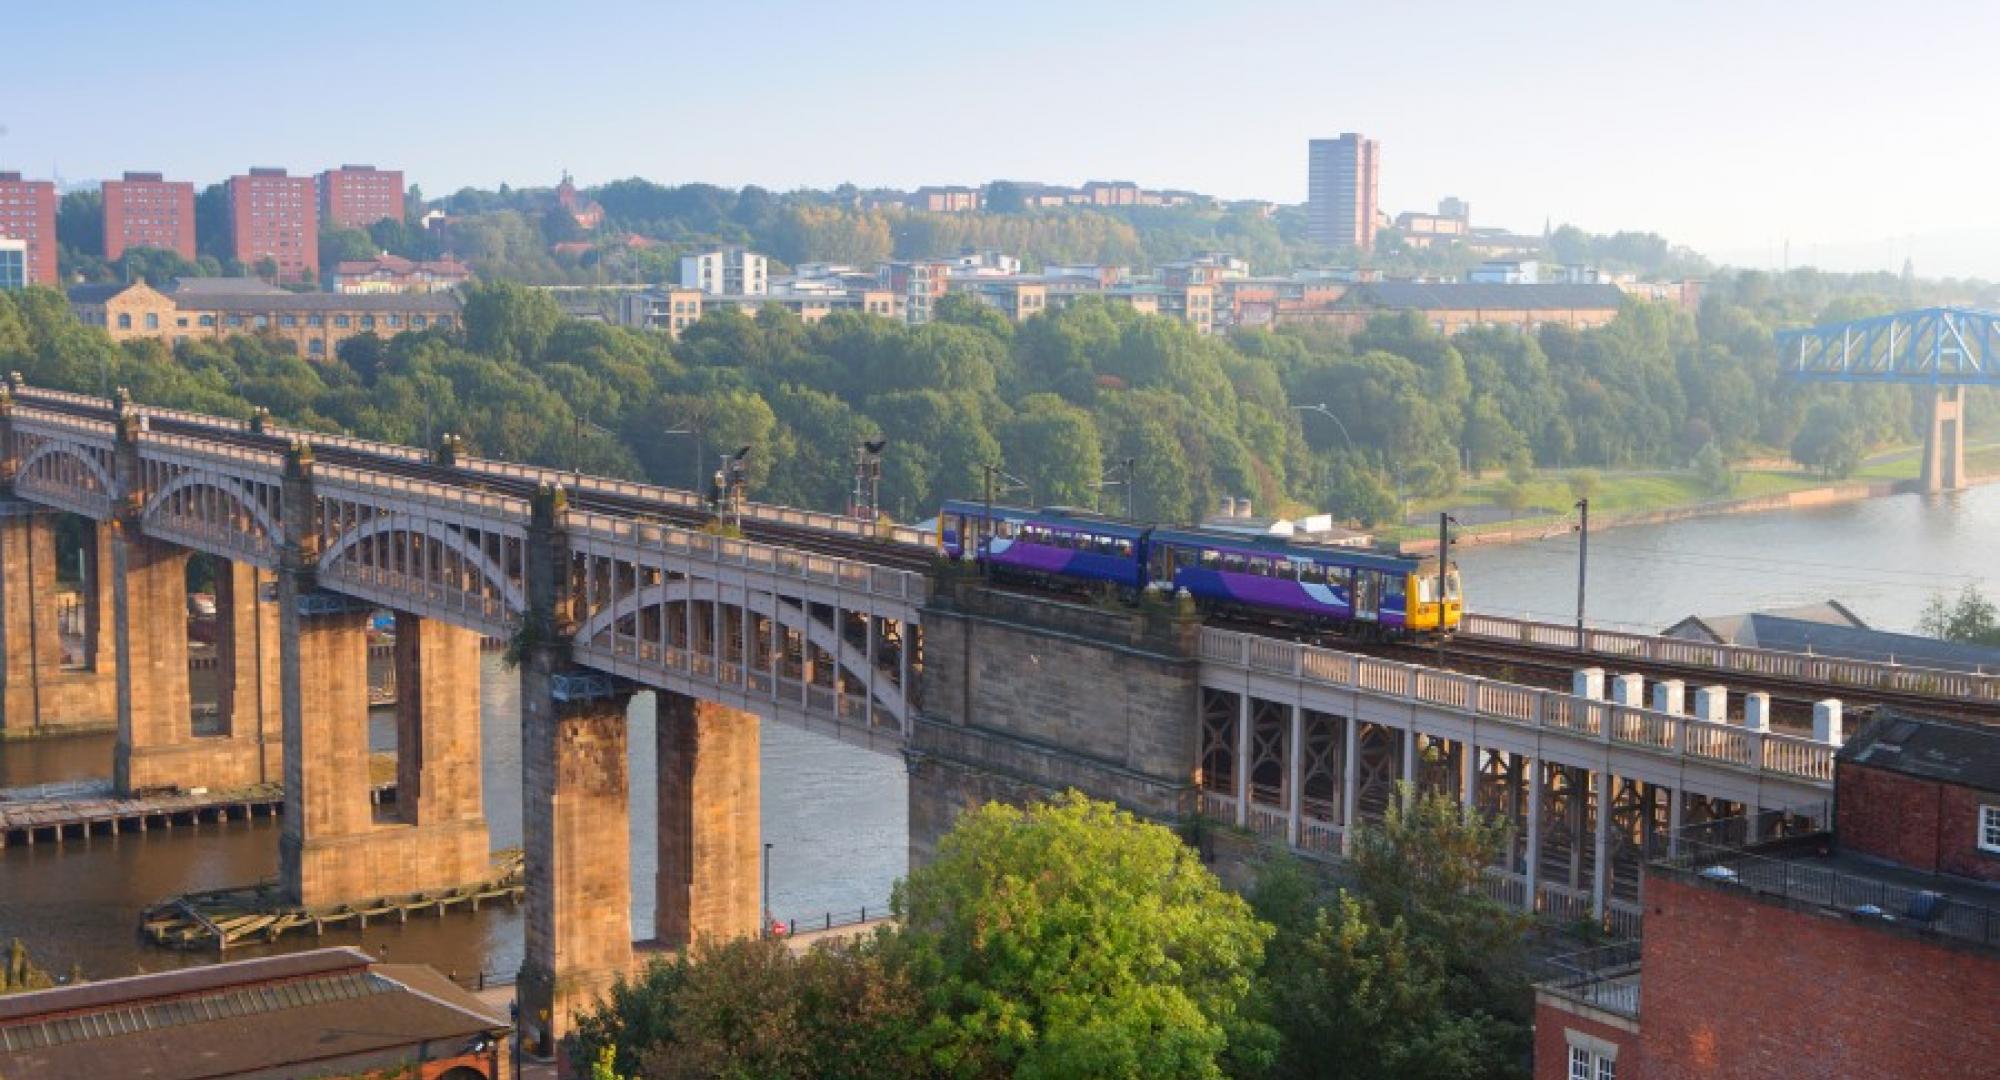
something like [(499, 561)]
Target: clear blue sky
[(1855, 129)]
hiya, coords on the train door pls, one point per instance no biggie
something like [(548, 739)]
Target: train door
[(1367, 595)]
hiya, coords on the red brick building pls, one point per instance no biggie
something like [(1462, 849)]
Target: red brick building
[(1872, 950), (357, 196), (28, 213), (147, 210), (275, 216)]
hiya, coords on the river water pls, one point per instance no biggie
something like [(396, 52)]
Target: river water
[(838, 815)]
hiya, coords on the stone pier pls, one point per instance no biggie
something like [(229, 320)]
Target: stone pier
[(335, 847), (710, 839), (1944, 442), (247, 690), (156, 743), (41, 694), (576, 831)]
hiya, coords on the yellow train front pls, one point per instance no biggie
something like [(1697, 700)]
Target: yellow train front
[(1427, 612)]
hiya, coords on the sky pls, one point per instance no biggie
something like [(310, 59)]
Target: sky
[(1844, 134)]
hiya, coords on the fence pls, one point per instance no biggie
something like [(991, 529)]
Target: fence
[(1606, 977), (1806, 876)]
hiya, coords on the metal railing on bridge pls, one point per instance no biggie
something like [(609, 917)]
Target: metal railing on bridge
[(1832, 672), (1545, 710)]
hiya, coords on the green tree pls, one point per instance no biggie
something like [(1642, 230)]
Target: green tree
[(1583, 483), (1073, 940), (1971, 618), (80, 221), (1714, 473), (509, 321), (1831, 440), (1053, 445)]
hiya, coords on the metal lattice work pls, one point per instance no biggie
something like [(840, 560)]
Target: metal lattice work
[(1569, 847), (1941, 346), (1379, 754), (1215, 769), (1501, 791), (219, 504), (67, 466), (1324, 769)]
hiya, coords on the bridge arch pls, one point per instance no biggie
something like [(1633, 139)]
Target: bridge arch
[(447, 537), (850, 660), (50, 449), (229, 487)]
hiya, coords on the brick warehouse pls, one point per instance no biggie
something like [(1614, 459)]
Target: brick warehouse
[(1869, 951)]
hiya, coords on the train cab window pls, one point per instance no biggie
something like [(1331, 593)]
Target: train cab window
[(1426, 590), (1451, 586)]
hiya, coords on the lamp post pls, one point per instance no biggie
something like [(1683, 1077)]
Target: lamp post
[(767, 888), (1582, 563), (1445, 522), (867, 499), (1322, 409)]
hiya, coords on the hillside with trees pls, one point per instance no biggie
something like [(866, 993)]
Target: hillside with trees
[(1059, 399)]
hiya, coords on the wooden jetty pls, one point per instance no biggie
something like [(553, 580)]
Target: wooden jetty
[(60, 813), (257, 914), (55, 816)]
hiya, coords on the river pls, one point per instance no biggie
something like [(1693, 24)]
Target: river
[(838, 815), (1882, 558)]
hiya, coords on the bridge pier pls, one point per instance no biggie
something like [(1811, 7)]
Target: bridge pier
[(40, 694), (156, 745), (336, 848), (576, 831), (710, 822), (1944, 441)]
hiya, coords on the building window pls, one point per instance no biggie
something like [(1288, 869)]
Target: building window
[(315, 320), (262, 321), (288, 320), (208, 320), (367, 322), (1591, 1058), (418, 322), (395, 321), (152, 320), (316, 347), (342, 321), (1989, 829)]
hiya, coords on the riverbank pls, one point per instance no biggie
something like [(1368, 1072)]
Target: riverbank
[(1622, 501)]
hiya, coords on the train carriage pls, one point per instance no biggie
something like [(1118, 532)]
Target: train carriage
[(1304, 584), (1073, 545)]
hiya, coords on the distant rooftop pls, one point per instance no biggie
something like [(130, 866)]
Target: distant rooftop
[(1832, 630), (1462, 296), (222, 286)]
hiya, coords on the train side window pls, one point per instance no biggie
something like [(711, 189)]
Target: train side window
[(1123, 549), (1211, 560), (1393, 588)]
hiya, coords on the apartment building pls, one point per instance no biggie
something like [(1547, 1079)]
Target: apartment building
[(1342, 191), (732, 271), (276, 216), (28, 214), (13, 264), (144, 209), (357, 196), (917, 286)]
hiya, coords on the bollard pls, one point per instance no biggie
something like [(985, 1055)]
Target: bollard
[(1629, 690), (1670, 697), (1827, 722), (1588, 683)]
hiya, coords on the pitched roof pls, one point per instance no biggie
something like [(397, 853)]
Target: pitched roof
[(233, 286), (1462, 296), (1954, 751), (438, 303), (1767, 630), (95, 294), (263, 1016)]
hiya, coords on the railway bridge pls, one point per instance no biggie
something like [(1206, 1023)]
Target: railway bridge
[(604, 589)]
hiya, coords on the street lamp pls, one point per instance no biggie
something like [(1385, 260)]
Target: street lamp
[(867, 498), (1582, 563), (1322, 409)]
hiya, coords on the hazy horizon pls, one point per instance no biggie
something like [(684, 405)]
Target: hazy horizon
[(1729, 131)]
